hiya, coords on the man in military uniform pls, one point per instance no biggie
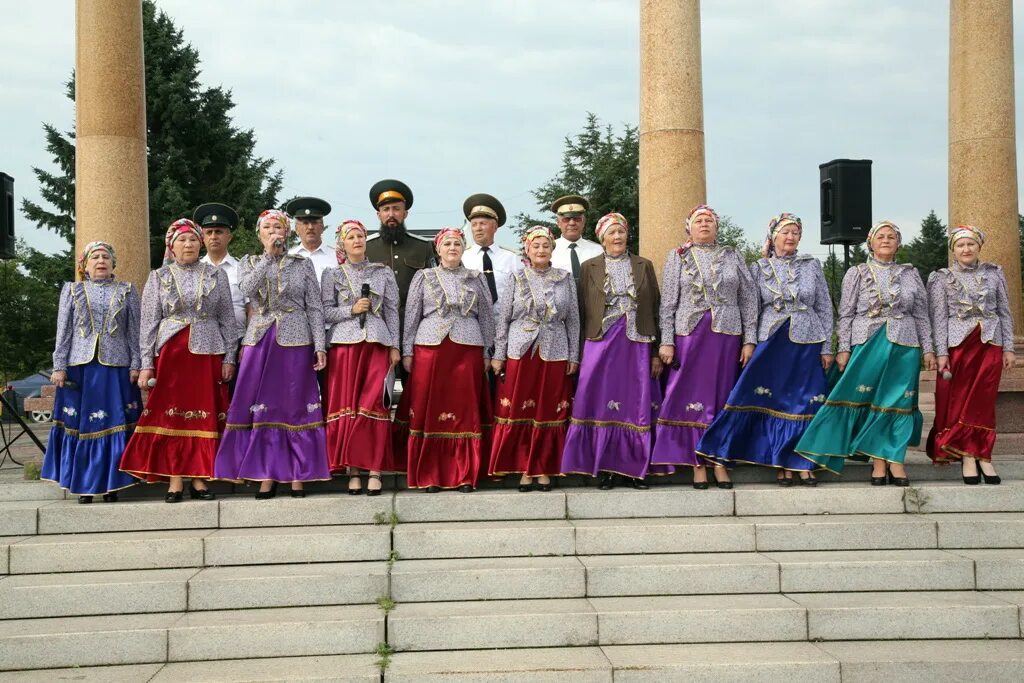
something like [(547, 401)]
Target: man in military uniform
[(571, 249), (485, 215), (218, 222), (393, 245), (309, 213)]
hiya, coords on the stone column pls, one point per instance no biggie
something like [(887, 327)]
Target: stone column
[(671, 123), (111, 184), (982, 146)]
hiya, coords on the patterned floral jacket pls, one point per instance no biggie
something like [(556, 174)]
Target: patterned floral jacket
[(793, 288), (539, 308), (964, 298), (453, 303), (890, 294), (98, 320), (342, 286), (283, 290)]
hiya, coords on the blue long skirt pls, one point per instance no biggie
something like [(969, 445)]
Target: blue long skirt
[(775, 398), (91, 426)]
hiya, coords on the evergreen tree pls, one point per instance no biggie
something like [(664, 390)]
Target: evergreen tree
[(28, 314), (602, 166), (196, 153), (928, 251)]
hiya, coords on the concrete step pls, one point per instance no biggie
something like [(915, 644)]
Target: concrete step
[(957, 661), (980, 529), (510, 578), (844, 532), (93, 593), (316, 510), (484, 539), (333, 668), (538, 665), (287, 585), (108, 551), (664, 535), (874, 570), (680, 574), (997, 569), (272, 545), (19, 517), (956, 497), (908, 615), (128, 673), (29, 490), (482, 505), (68, 517), (199, 636)]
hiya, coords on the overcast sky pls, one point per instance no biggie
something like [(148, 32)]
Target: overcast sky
[(463, 96)]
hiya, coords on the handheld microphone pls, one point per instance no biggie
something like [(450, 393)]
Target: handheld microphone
[(68, 384), (278, 244), (151, 382), (364, 294), (947, 375)]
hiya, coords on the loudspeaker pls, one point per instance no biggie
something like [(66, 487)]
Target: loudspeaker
[(845, 201), (6, 216)]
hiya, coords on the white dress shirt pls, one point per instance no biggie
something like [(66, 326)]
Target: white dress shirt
[(585, 249), (503, 261), (230, 267), (323, 257)]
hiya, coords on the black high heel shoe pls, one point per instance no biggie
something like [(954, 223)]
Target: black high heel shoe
[(466, 488), (357, 491), (639, 484), (84, 500), (298, 493), (173, 496), (373, 492), (971, 481), (880, 481), (544, 487), (525, 488), (267, 495), (606, 482), (993, 479), (432, 489), (110, 497), (200, 494), (898, 481)]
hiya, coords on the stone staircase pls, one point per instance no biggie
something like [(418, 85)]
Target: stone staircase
[(844, 582)]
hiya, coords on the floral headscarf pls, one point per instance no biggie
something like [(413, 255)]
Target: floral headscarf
[(348, 226), (538, 231), (87, 252), (969, 231), (445, 232), (275, 215), (178, 228), (884, 224), (775, 226), (607, 221), (698, 210)]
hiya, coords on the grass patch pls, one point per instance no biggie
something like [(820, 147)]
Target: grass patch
[(386, 603), (389, 518), (384, 653), (33, 470)]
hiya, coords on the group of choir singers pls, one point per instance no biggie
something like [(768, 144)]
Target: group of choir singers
[(526, 369)]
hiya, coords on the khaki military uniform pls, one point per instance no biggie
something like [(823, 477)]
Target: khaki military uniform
[(404, 256)]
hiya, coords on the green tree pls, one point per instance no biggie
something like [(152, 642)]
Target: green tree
[(928, 251), (28, 314), (604, 167), (196, 153), (732, 235)]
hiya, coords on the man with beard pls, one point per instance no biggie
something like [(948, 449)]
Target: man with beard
[(309, 213), (393, 245)]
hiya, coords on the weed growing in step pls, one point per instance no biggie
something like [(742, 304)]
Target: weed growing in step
[(32, 471), (384, 653), (917, 498), (386, 603), (389, 518)]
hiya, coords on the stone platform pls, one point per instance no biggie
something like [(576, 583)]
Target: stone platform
[(844, 582)]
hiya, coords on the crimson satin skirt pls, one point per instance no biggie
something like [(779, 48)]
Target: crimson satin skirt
[(358, 424), (531, 417), (445, 417), (180, 427), (965, 406)]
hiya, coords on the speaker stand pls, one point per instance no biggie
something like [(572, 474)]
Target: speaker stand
[(8, 437)]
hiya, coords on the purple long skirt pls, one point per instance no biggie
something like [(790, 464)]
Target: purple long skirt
[(613, 410), (275, 428), (708, 367)]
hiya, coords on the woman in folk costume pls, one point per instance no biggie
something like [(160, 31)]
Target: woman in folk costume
[(973, 338), (363, 339), (275, 428), (445, 416), (537, 347), (883, 328), (188, 342), (768, 409), (617, 395), (95, 368), (708, 330)]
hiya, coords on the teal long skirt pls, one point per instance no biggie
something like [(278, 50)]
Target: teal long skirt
[(872, 410)]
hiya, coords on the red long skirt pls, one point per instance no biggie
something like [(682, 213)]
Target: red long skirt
[(358, 424), (179, 430), (531, 417), (444, 417), (965, 406)]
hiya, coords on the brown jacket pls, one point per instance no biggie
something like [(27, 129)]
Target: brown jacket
[(591, 293)]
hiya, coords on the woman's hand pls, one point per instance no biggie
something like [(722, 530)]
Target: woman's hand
[(394, 357), (144, 377), (942, 362), (361, 306), (227, 371), (58, 377), (929, 361), (656, 367), (407, 363), (270, 242), (667, 354), (745, 353), (497, 366), (572, 368), (321, 361), (842, 358), (826, 361), (1009, 359)]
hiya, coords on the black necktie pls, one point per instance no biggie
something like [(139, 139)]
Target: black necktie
[(489, 274), (575, 261)]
